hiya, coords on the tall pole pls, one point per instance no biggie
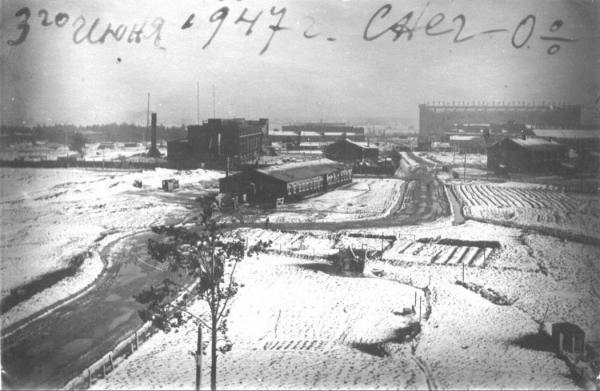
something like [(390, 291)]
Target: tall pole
[(198, 102)]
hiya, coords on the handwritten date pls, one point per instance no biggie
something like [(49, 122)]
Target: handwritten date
[(379, 25)]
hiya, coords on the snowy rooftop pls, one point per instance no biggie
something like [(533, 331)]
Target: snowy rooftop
[(310, 133), (464, 138), (291, 172), (536, 143), (361, 144), (568, 133), (283, 133)]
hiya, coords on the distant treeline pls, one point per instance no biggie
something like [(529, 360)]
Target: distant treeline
[(92, 133)]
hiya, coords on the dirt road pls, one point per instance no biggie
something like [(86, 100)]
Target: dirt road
[(51, 350)]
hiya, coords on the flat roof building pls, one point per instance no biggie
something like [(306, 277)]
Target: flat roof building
[(219, 142)]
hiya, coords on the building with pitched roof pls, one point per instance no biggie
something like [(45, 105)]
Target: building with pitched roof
[(527, 155), (347, 150), (289, 181)]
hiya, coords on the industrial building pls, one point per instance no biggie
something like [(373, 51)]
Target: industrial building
[(346, 150), (220, 143), (288, 181), (318, 132), (435, 120), (526, 155)]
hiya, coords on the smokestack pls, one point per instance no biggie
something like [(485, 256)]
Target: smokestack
[(153, 134), (153, 152)]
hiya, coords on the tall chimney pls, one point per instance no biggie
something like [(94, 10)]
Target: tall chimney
[(153, 152), (153, 134)]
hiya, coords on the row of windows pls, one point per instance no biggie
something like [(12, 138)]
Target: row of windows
[(313, 184), (316, 183)]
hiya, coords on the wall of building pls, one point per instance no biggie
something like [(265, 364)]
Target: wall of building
[(509, 157), (344, 151), (261, 187), (217, 142)]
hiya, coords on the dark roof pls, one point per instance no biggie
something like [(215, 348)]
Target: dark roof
[(292, 172)]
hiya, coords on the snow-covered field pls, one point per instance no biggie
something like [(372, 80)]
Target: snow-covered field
[(365, 198), (52, 151), (292, 326), (532, 206), (50, 215)]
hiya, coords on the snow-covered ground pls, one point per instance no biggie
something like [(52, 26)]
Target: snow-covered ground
[(50, 215), (456, 159), (92, 151), (532, 206), (364, 198), (119, 151), (292, 326)]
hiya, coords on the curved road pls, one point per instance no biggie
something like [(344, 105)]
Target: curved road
[(427, 202), (51, 350)]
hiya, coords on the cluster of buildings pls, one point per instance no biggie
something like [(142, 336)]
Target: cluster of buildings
[(315, 135), (237, 144), (517, 138)]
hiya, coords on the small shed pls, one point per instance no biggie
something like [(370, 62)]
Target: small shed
[(568, 337), (170, 184)]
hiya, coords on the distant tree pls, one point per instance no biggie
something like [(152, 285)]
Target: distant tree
[(210, 260), (78, 142)]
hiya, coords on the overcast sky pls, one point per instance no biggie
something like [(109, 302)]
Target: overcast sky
[(49, 79)]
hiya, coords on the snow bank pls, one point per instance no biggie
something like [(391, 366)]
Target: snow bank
[(87, 274)]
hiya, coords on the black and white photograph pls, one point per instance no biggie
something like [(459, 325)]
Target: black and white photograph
[(300, 194)]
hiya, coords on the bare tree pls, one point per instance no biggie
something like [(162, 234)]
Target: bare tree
[(202, 255)]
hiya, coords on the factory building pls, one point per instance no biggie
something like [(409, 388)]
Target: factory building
[(351, 151), (435, 120), (219, 143), (288, 181), (526, 155)]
